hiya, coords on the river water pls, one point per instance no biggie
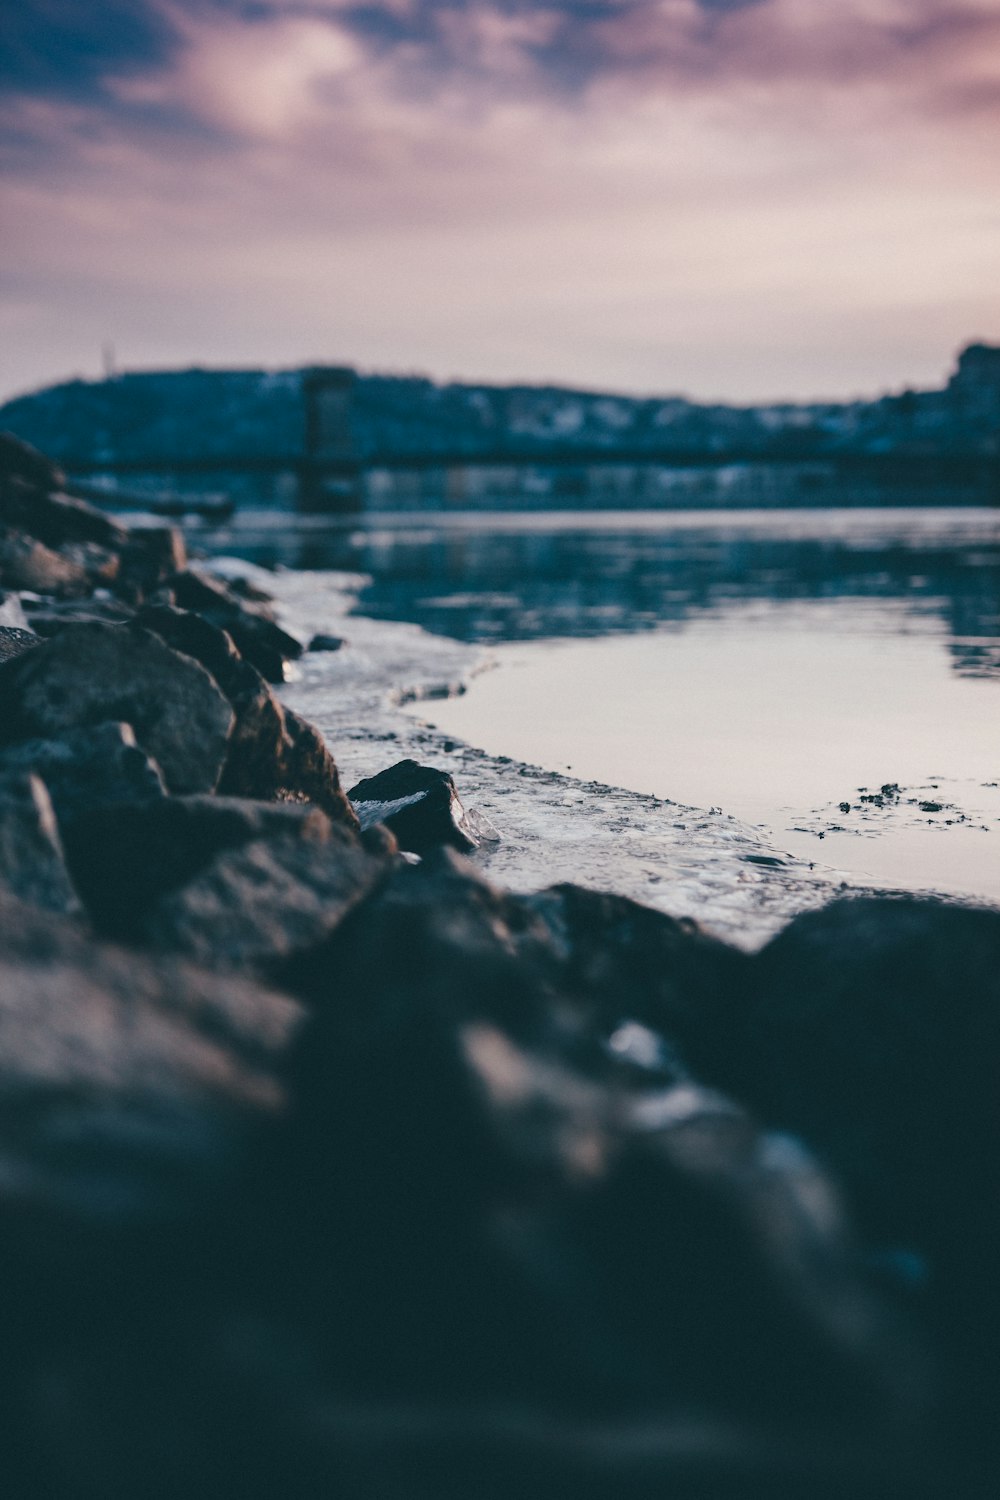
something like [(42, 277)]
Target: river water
[(832, 676)]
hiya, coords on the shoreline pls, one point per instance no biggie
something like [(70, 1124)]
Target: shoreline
[(684, 861)]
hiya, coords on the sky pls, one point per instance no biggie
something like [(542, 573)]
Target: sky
[(735, 199)]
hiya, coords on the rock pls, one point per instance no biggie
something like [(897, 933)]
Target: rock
[(326, 643), (257, 637), (98, 673), (309, 770), (31, 856), (56, 519), (50, 617), (14, 642), (129, 1085), (19, 460), (419, 804), (151, 555), (872, 1029), (125, 857), (256, 759), (478, 1209), (100, 564), (26, 563), (632, 966), (86, 769), (266, 902)]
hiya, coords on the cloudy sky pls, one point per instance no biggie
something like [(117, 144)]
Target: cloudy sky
[(735, 198)]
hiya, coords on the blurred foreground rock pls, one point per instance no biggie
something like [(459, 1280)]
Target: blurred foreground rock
[(326, 1171)]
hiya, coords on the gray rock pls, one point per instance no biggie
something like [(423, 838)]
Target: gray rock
[(31, 857), (51, 617), (128, 1086), (125, 857), (418, 803), (258, 638), (87, 769), (310, 771), (267, 901), (98, 673), (26, 563), (255, 763)]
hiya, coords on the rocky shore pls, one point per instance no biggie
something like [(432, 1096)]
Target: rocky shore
[(328, 1167)]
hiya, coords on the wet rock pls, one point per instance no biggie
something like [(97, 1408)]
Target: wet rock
[(125, 857), (31, 856), (14, 642), (100, 564), (87, 769), (326, 643), (310, 771), (421, 806), (26, 563), (267, 901), (258, 638), (98, 673), (255, 762)]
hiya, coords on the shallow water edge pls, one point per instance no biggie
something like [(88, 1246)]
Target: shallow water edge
[(549, 827)]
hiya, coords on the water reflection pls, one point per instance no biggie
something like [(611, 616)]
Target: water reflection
[(503, 578)]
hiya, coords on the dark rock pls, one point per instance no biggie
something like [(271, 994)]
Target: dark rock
[(419, 804), (100, 564), (310, 771), (56, 519), (128, 1086), (86, 769), (630, 964), (19, 460), (99, 673), (267, 901), (476, 1209), (258, 638), (255, 763), (151, 555), (14, 642), (31, 856), (124, 858), (26, 563), (326, 643)]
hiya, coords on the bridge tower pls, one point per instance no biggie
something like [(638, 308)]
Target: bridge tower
[(330, 474)]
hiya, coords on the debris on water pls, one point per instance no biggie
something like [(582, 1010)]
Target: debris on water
[(845, 807), (932, 807)]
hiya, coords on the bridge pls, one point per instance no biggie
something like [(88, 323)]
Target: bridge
[(331, 467)]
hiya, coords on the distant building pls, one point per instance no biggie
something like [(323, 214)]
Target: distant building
[(974, 389)]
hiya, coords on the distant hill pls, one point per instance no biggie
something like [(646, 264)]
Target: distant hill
[(247, 414)]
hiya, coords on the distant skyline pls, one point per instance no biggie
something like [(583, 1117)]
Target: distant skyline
[(726, 199)]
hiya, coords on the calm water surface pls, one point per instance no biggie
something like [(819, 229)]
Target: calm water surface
[(784, 666)]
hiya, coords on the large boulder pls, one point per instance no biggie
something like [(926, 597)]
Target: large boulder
[(87, 769), (257, 746), (482, 1203), (125, 857), (418, 803), (268, 902), (32, 865), (98, 673)]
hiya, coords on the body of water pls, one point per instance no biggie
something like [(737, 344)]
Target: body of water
[(831, 675)]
